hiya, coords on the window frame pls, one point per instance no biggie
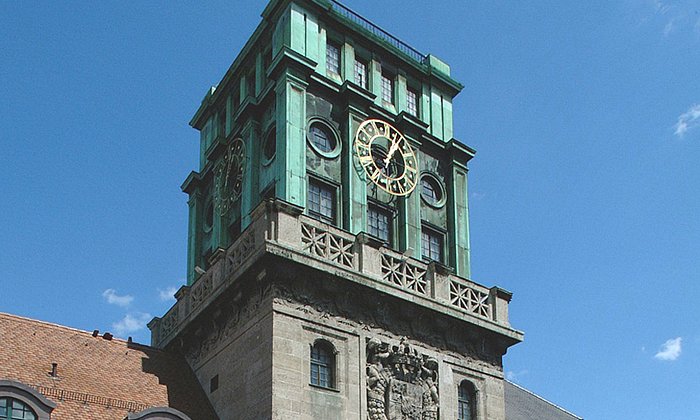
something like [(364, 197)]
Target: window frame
[(359, 62), (250, 83), (39, 404), (381, 210), (332, 45), (10, 408), (390, 78), (334, 137), (416, 102), (318, 214), (466, 388), (208, 211), (432, 232), (270, 138), (437, 186), (158, 413), (330, 365)]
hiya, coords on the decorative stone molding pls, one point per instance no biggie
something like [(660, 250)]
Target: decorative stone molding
[(321, 243), (223, 325), (406, 275), (366, 312), (201, 289), (469, 299)]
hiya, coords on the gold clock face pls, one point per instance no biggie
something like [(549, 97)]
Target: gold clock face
[(231, 171), (386, 157)]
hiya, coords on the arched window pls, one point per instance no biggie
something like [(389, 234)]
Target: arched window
[(20, 402), (14, 409), (158, 413), (466, 401), (322, 367)]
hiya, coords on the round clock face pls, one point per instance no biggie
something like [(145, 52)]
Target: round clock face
[(386, 157), (230, 179)]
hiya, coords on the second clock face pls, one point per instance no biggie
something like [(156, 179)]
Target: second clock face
[(386, 157), (231, 175)]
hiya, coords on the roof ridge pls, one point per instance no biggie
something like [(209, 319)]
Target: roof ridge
[(65, 327), (543, 399)]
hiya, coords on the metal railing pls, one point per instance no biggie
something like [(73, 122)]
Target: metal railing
[(375, 30)]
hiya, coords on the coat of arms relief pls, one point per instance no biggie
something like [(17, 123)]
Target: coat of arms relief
[(401, 384)]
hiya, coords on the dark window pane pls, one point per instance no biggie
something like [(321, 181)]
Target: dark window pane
[(361, 73), (321, 366), (321, 137), (333, 58), (13, 409), (465, 402), (412, 102), (387, 88), (378, 223), (431, 244), (429, 191), (321, 202)]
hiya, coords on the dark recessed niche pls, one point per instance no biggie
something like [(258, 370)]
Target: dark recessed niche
[(214, 383)]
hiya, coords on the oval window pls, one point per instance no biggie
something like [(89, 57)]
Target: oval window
[(270, 146), (323, 138), (209, 216), (432, 191)]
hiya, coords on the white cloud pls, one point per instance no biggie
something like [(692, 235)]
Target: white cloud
[(676, 17), (478, 195), (514, 376), (114, 299), (167, 294), (131, 323), (670, 350), (670, 25), (688, 120)]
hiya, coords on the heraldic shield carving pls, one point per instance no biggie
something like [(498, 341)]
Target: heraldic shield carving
[(401, 384)]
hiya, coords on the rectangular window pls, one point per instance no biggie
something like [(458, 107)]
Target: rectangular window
[(333, 58), (361, 74), (208, 133), (378, 223), (412, 102), (267, 60), (250, 82), (465, 400), (322, 366), (387, 88), (222, 123), (431, 244), (321, 202), (235, 102)]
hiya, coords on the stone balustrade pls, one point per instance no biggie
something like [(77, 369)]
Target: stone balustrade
[(281, 229)]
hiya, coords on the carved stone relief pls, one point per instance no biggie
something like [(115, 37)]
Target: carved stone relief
[(322, 300), (401, 383), (222, 324)]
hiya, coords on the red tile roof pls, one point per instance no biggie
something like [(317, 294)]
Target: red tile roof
[(96, 378)]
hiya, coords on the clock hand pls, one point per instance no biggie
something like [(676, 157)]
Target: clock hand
[(394, 147)]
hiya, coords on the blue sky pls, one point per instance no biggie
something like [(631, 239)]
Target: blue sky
[(584, 191)]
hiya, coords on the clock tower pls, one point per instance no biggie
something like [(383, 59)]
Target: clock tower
[(328, 249)]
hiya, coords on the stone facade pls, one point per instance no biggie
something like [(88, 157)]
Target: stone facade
[(253, 318)]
